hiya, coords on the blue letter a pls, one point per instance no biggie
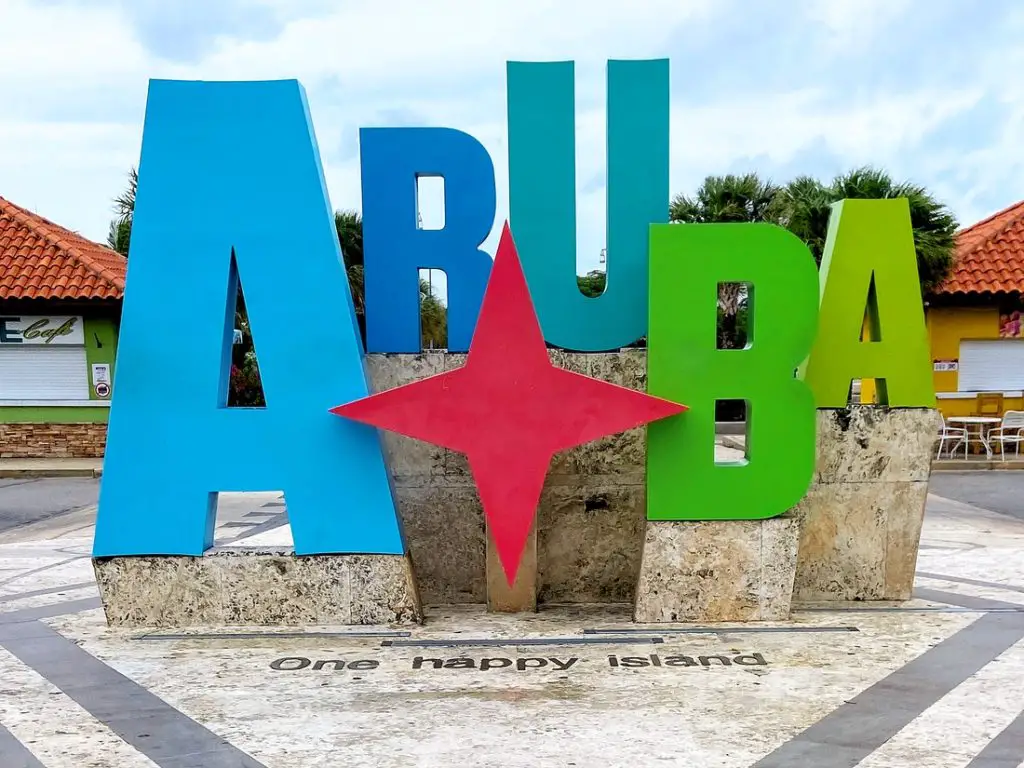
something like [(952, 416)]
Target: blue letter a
[(234, 168)]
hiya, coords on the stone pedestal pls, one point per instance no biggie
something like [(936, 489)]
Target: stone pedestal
[(590, 520), (861, 519), (722, 570), (520, 597), (237, 586)]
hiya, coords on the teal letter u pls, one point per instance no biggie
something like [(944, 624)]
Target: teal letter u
[(542, 196)]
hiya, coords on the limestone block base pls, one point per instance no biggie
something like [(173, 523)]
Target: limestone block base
[(861, 519), (589, 521), (721, 570), (237, 586), (859, 541)]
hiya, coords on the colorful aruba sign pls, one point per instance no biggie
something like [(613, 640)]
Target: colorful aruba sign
[(230, 183)]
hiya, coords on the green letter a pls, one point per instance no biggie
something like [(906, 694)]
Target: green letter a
[(870, 262)]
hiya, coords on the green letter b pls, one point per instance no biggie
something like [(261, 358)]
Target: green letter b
[(687, 264)]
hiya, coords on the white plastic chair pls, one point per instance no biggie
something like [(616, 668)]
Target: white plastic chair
[(1009, 431), (949, 434)]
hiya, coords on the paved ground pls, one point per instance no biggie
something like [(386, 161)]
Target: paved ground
[(24, 501), (43, 506), (27, 500), (936, 683), (999, 491), (52, 467)]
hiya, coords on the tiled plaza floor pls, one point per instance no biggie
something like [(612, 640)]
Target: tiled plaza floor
[(937, 683)]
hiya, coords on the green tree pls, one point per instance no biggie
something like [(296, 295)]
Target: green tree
[(245, 387), (729, 199), (433, 313), (120, 232), (119, 236), (349, 225), (593, 283), (805, 203), (433, 319), (803, 206)]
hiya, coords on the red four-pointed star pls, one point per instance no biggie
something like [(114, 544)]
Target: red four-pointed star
[(508, 409)]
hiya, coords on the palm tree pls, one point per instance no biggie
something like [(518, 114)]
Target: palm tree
[(805, 204), (119, 236), (433, 319), (349, 225), (727, 199), (120, 233), (433, 314), (350, 235)]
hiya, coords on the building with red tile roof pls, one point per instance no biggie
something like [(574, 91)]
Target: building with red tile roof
[(60, 306), (43, 260), (976, 318), (990, 256)]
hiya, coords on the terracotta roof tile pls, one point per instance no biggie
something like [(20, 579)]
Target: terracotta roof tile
[(42, 260), (990, 255)]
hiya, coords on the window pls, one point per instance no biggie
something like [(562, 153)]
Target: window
[(31, 372), (995, 365)]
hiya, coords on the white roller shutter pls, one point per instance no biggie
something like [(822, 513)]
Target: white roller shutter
[(995, 365), (35, 372)]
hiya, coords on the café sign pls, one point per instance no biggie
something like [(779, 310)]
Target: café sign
[(51, 330)]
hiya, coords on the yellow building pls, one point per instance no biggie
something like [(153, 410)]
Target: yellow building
[(976, 320)]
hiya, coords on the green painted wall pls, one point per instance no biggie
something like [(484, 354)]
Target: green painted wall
[(100, 347), (30, 414)]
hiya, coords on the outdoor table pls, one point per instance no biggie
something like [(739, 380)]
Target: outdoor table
[(984, 423)]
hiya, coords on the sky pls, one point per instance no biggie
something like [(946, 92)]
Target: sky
[(926, 89)]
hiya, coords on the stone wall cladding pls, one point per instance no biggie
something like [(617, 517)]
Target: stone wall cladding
[(861, 519), (591, 518), (717, 570), (860, 522), (248, 586), (52, 441)]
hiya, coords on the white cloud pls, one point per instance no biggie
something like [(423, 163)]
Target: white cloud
[(71, 44), (778, 126), (407, 41), (848, 26), (73, 99)]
